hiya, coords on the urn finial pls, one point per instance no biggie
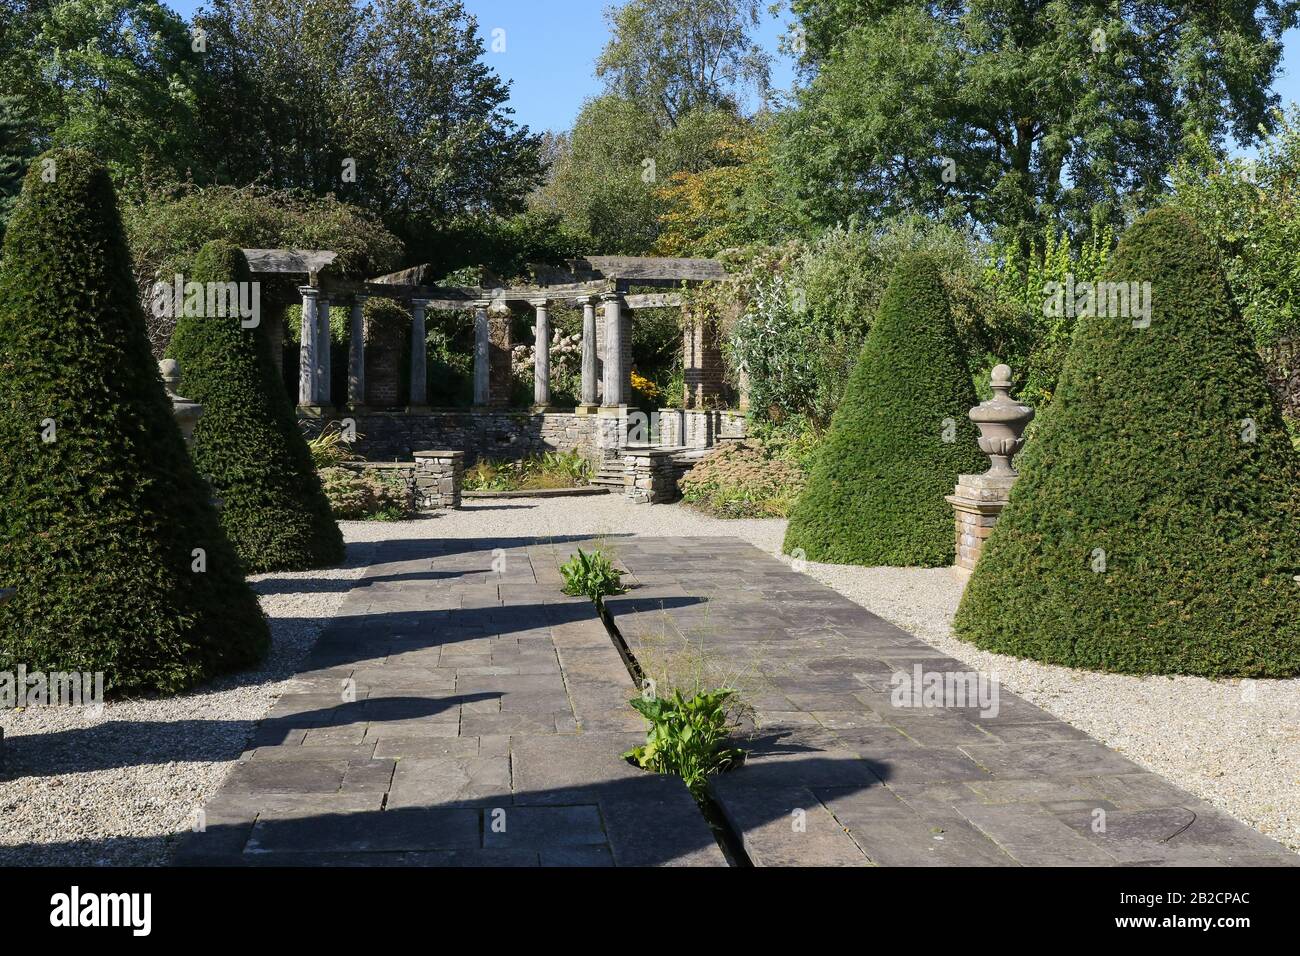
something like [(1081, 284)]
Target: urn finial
[(1001, 421), (186, 412)]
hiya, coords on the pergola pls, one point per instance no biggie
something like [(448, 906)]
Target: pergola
[(584, 282)]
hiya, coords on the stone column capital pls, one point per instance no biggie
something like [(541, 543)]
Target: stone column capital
[(309, 291), (361, 298), (612, 297), (584, 299), (421, 303), (539, 303)]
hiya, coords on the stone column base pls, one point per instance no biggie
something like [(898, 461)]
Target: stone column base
[(438, 477), (585, 409), (977, 501)]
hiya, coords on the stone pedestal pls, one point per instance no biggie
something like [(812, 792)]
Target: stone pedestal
[(977, 502), (438, 477), (979, 499), (649, 475)]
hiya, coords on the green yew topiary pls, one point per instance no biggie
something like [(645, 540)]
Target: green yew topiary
[(1155, 528), (247, 444), (898, 440), (101, 509)]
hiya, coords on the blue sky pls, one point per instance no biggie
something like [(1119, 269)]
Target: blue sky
[(551, 48)]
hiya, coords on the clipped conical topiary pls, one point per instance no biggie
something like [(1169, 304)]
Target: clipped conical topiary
[(247, 444), (898, 440), (106, 529), (1155, 528)]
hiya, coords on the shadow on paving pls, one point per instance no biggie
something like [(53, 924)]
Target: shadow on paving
[(642, 820), (101, 747)]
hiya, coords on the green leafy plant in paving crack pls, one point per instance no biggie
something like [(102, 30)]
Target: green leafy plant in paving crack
[(591, 574), (687, 736)]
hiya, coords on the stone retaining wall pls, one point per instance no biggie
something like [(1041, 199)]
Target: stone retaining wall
[(396, 436)]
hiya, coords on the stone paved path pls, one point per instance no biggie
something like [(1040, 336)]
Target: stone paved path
[(889, 785), (484, 717), (479, 695)]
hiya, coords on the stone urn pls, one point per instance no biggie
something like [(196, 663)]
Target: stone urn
[(1001, 421), (187, 413)]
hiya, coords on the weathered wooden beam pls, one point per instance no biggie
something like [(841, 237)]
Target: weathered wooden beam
[(653, 300), (456, 297), (288, 262), (649, 268)]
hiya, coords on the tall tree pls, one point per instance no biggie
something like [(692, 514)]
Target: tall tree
[(675, 56), (388, 104), (606, 177), (114, 76), (17, 147), (1020, 111)]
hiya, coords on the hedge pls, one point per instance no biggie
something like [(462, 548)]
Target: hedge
[(898, 440), (247, 444), (106, 529), (1155, 528)]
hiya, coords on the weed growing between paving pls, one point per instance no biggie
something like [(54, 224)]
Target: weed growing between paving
[(695, 707), (593, 575), (687, 736)]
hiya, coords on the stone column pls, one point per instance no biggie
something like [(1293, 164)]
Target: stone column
[(323, 369), (308, 391), (615, 373), (357, 353), (419, 359), (481, 349), (590, 392), (541, 355)]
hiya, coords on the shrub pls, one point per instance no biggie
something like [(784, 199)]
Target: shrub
[(899, 439), (796, 316), (365, 496), (593, 575), (743, 480), (100, 528), (173, 222), (1155, 527), (247, 444), (552, 469), (687, 737)]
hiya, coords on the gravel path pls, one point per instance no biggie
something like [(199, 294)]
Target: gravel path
[(78, 788)]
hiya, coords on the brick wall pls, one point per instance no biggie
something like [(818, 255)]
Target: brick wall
[(384, 347), (702, 352)]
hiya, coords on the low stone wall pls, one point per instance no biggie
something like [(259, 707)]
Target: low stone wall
[(396, 436), (698, 427)]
